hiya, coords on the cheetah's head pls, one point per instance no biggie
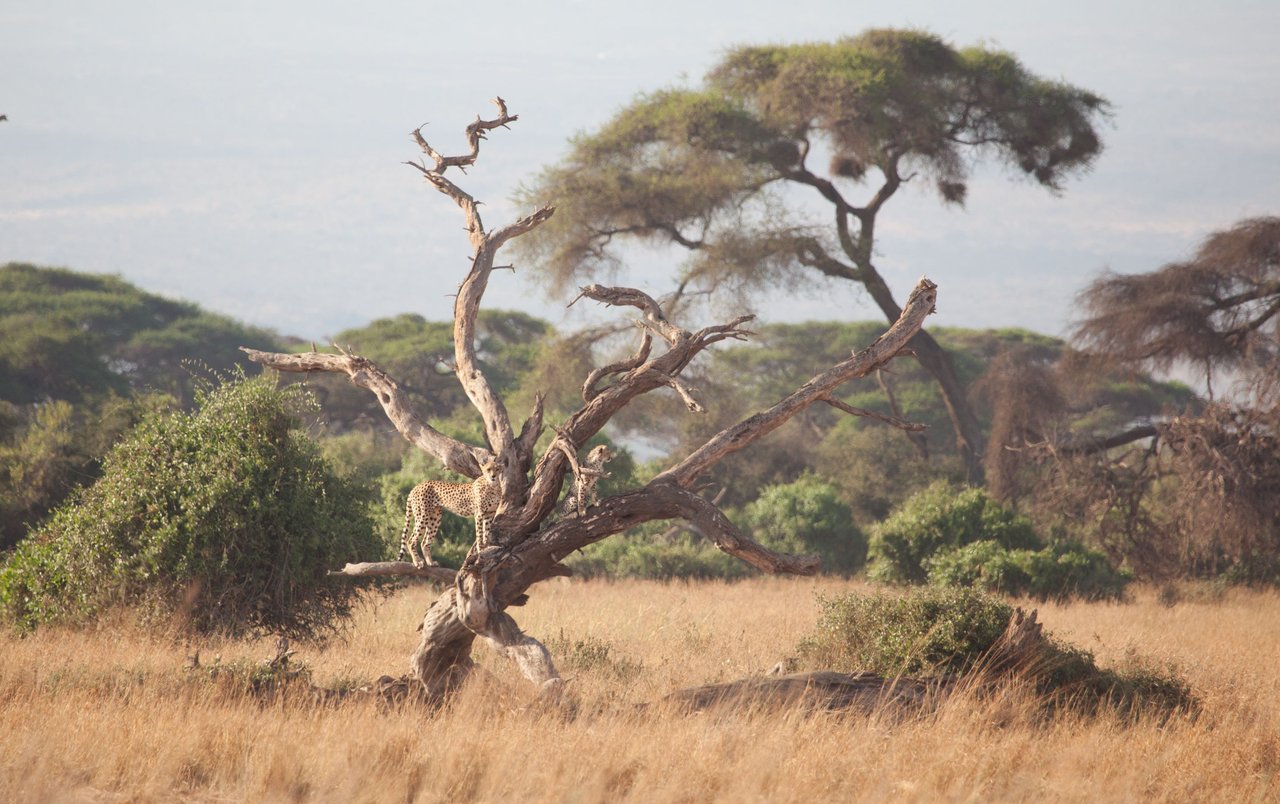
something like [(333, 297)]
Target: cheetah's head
[(600, 455), (489, 469)]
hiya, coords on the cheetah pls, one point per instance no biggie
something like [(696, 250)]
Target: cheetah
[(478, 499), (584, 485)]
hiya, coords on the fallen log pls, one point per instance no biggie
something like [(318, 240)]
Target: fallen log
[(816, 690), (1018, 649)]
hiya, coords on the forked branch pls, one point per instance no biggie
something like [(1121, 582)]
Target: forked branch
[(475, 132), (514, 457)]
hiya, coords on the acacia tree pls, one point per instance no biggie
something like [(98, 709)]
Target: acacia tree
[(1193, 490), (1219, 310), (528, 542), (706, 168)]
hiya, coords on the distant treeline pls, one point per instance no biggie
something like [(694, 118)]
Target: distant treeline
[(84, 357)]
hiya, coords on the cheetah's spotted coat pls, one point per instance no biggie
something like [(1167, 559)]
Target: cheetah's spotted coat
[(477, 499), (584, 486)]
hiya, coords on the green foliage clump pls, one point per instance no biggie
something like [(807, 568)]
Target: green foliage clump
[(48, 450), (986, 565), (655, 557), (1056, 572), (940, 518), (364, 455), (966, 539), (949, 632), (82, 358), (1069, 569), (225, 519), (75, 336), (926, 632), (806, 516)]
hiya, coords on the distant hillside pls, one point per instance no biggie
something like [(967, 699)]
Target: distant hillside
[(74, 336), (82, 357)]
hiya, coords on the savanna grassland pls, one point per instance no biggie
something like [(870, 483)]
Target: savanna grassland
[(112, 713)]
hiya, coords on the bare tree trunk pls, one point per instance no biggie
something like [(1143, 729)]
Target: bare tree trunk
[(937, 362), (963, 421), (859, 247), (442, 660)]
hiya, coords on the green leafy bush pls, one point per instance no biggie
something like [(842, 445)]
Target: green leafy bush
[(653, 557), (937, 632), (1069, 569), (985, 565), (806, 516), (49, 449), (1056, 572), (226, 518), (929, 631), (940, 518)]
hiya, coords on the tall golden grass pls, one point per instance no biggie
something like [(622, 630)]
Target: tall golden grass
[(110, 714)]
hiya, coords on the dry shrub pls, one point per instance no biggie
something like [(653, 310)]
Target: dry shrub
[(956, 633)]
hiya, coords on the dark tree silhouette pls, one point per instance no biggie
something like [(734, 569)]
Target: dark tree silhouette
[(1220, 309)]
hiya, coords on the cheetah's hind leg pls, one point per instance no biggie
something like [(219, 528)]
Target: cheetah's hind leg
[(424, 535), (407, 544), (419, 542)]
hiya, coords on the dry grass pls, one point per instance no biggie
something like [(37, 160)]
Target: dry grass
[(110, 714)]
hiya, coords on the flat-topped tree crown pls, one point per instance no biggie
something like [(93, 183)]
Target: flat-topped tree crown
[(707, 168), (904, 101)]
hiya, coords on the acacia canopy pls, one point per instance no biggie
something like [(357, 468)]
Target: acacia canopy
[(706, 168), (679, 165), (1220, 309)]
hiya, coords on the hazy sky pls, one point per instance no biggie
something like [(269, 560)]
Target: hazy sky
[(247, 155)]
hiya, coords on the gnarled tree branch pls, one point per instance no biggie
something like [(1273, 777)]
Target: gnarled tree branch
[(528, 545), (919, 305), (366, 374), (589, 391)]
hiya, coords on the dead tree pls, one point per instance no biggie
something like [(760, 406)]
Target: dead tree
[(528, 541)]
